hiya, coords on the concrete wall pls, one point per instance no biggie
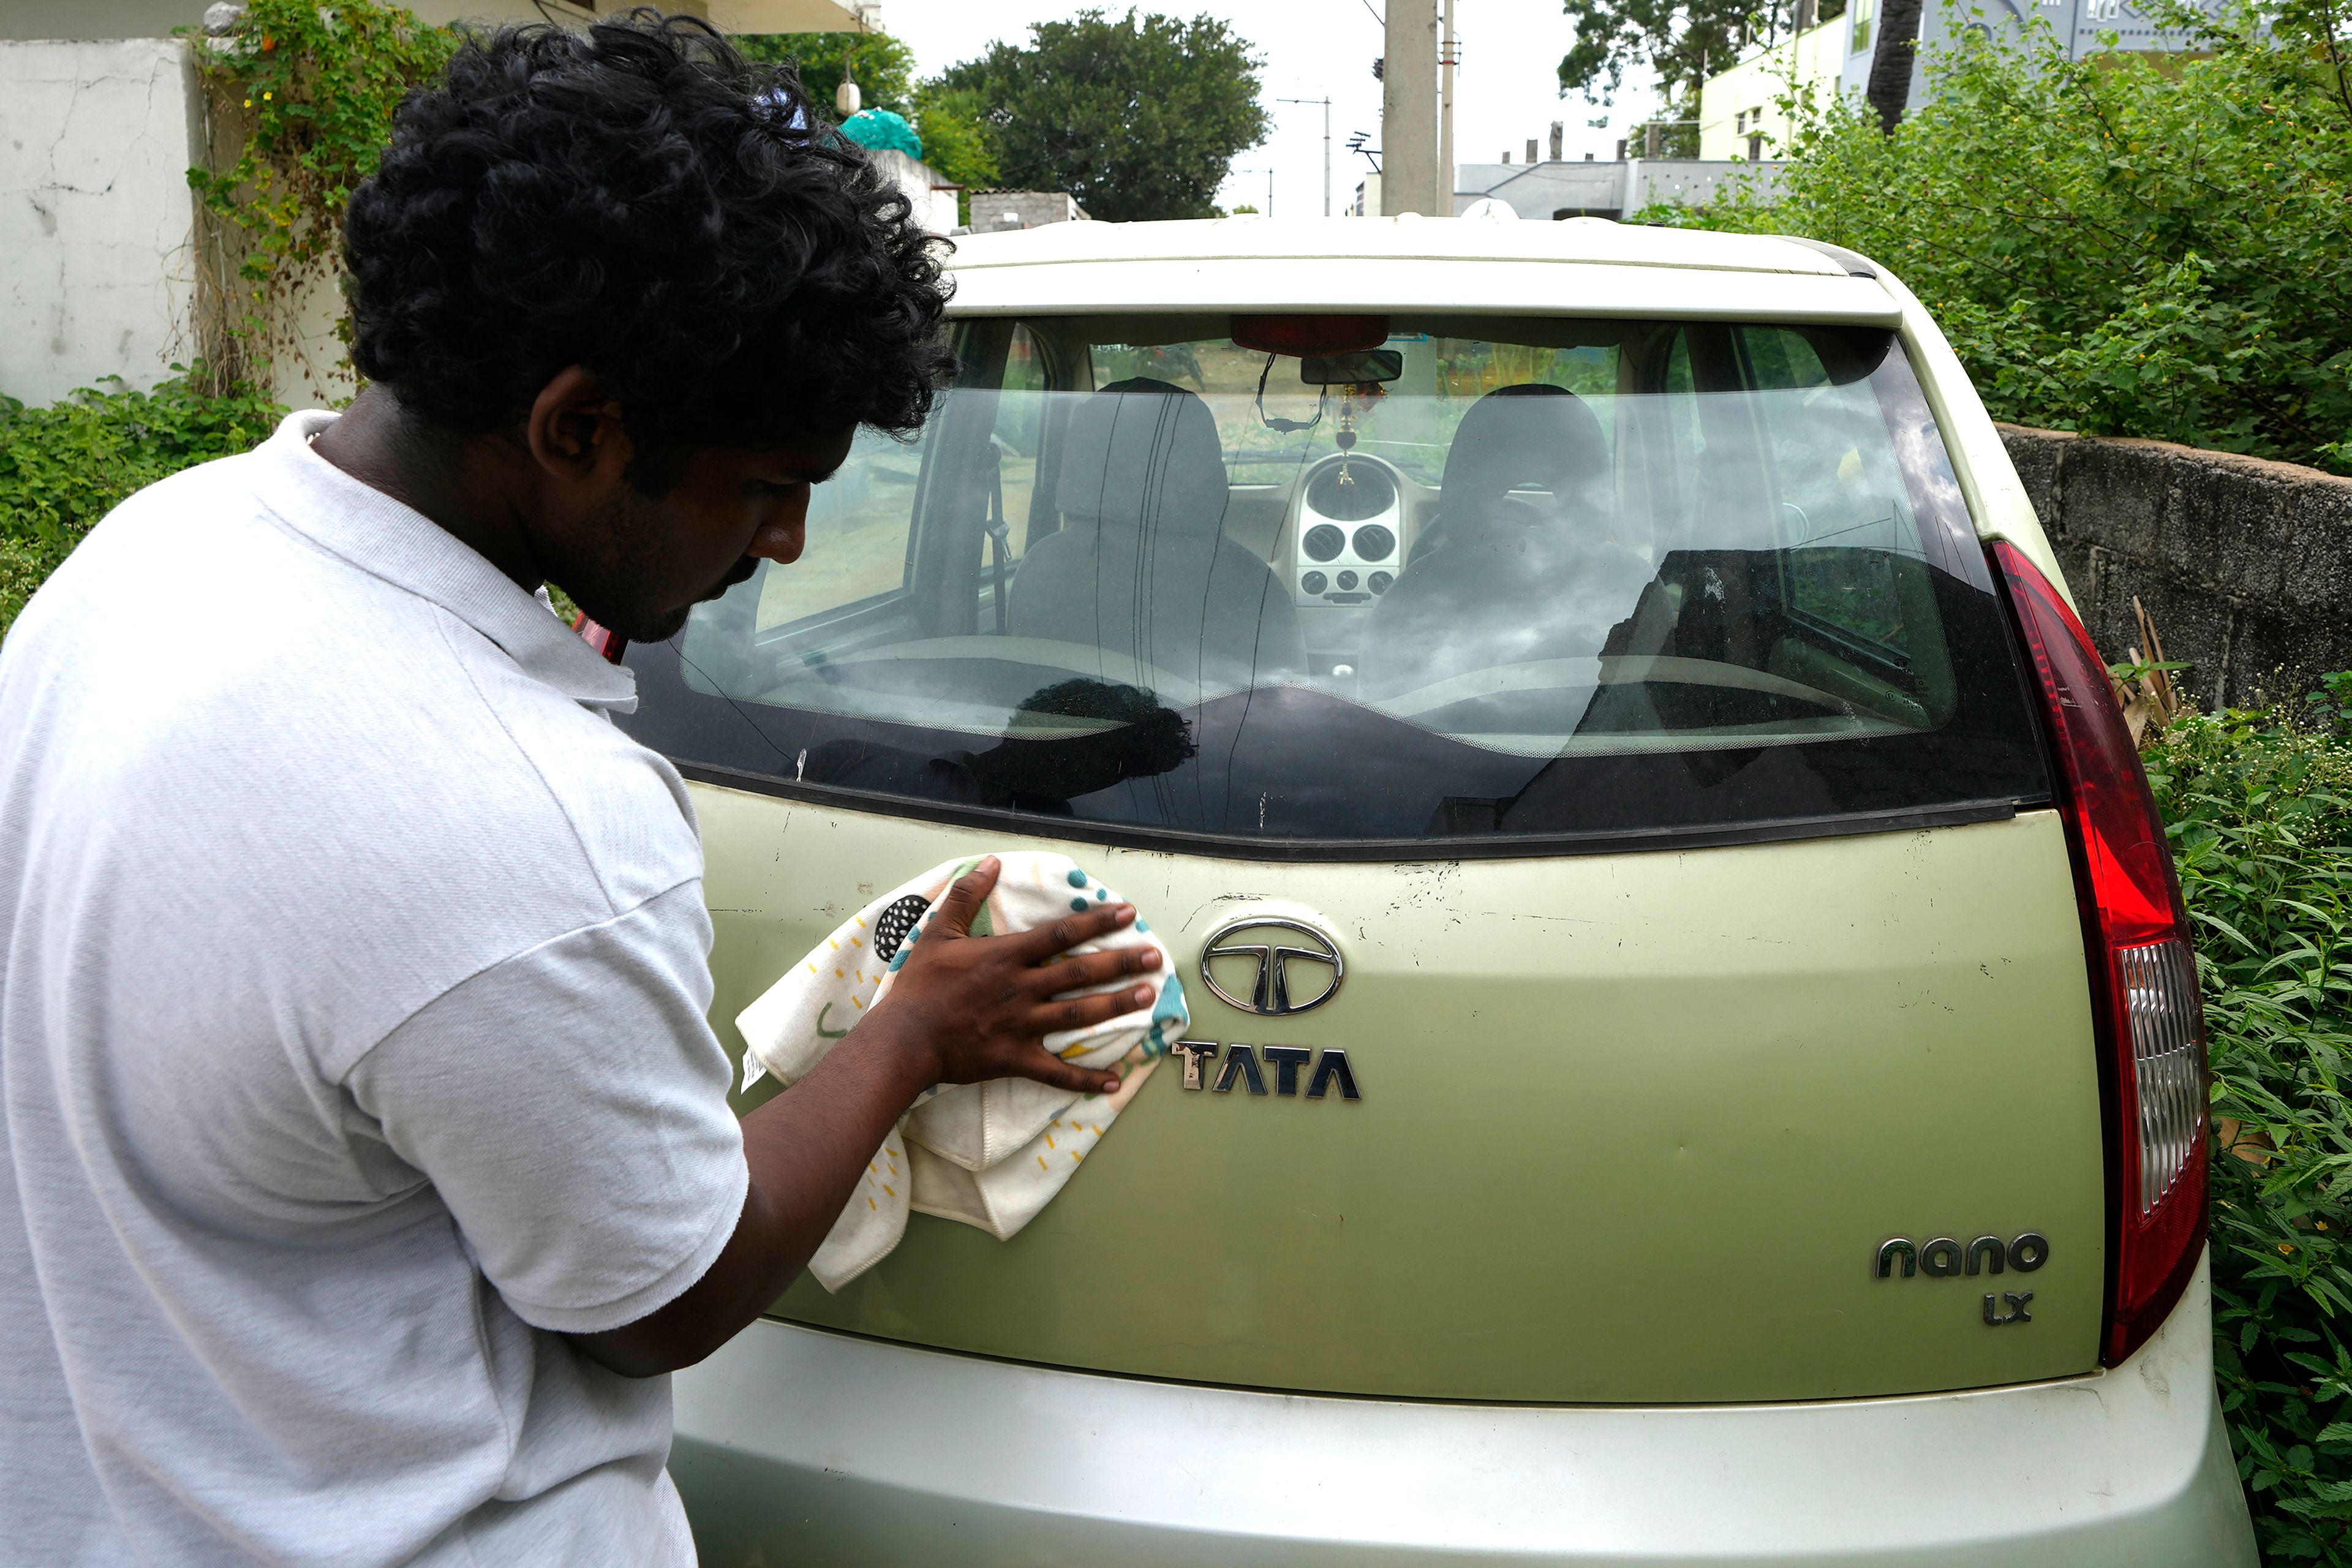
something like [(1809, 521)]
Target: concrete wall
[(2245, 565), (1545, 191), (95, 212), (104, 19), (1540, 190), (1694, 181), (993, 210)]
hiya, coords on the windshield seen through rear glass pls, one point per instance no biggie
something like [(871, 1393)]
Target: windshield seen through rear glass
[(1496, 579)]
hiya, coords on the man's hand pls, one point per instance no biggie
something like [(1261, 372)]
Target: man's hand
[(977, 1007), (963, 1008)]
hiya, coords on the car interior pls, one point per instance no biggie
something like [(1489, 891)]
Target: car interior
[(1531, 536)]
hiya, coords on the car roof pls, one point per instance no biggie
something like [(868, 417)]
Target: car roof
[(1580, 265), (1589, 240)]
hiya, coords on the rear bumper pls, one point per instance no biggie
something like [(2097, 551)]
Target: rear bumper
[(810, 1448)]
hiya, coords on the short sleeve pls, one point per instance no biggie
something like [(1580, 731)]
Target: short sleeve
[(569, 1107)]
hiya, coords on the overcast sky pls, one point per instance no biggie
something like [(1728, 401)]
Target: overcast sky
[(1505, 91)]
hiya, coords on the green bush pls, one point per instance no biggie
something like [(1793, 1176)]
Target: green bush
[(2260, 806), (2128, 245), (65, 467)]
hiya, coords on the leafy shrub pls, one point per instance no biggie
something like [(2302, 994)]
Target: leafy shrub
[(2126, 244), (2261, 814), (65, 467)]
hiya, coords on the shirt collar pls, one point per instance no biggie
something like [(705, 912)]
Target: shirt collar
[(367, 528)]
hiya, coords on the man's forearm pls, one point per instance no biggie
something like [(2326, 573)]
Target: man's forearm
[(964, 1010), (806, 1149)]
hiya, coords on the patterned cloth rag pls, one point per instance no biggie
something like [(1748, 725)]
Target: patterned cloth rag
[(990, 1155)]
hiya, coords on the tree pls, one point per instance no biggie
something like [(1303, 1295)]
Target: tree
[(1138, 118), (1889, 91), (1683, 41), (955, 137)]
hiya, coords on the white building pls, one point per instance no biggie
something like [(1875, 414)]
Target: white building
[(1741, 111), (100, 120), (932, 198)]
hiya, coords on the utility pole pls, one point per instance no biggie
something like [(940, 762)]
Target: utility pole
[(1325, 102), (1449, 55), (1409, 109)]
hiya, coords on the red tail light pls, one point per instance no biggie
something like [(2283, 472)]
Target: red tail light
[(603, 639), (2144, 993)]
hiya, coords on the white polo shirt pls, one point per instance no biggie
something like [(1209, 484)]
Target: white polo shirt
[(352, 1049)]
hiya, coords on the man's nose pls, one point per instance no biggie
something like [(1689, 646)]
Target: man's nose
[(780, 543), (782, 537)]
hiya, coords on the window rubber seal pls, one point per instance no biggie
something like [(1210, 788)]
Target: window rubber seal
[(1372, 851)]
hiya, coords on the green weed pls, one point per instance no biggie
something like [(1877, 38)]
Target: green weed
[(64, 466), (2260, 808)]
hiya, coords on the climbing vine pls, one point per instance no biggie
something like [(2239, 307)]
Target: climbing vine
[(301, 96)]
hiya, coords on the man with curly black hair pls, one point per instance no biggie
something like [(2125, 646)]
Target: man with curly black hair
[(367, 1158)]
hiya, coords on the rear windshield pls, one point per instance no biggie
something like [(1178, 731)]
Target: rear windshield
[(1498, 581)]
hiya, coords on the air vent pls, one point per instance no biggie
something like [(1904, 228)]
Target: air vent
[(1374, 542), (1323, 541)]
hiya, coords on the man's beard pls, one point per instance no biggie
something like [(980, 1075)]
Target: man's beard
[(609, 573), (660, 628)]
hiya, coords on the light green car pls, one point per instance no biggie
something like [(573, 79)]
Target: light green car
[(1694, 1056)]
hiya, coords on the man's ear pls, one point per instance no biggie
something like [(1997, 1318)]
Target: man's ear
[(574, 430)]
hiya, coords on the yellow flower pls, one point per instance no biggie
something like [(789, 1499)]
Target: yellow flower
[(269, 95), (248, 103)]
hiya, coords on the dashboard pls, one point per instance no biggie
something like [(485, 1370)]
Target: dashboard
[(1347, 546)]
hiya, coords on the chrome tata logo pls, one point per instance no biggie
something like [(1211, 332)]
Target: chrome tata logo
[(1295, 968)]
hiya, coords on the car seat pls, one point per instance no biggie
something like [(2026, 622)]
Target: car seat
[(1504, 581), (1142, 565)]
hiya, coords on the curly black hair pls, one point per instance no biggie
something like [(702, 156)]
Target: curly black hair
[(639, 199)]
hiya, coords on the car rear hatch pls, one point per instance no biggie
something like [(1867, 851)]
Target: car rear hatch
[(1633, 953)]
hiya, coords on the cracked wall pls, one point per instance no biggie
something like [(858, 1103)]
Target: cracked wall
[(95, 266), (2245, 565)]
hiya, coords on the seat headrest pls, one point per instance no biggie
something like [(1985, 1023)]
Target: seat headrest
[(1531, 436), (1141, 453)]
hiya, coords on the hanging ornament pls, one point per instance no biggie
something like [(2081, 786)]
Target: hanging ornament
[(1345, 439)]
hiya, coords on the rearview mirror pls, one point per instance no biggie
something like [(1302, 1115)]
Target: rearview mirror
[(1350, 368)]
